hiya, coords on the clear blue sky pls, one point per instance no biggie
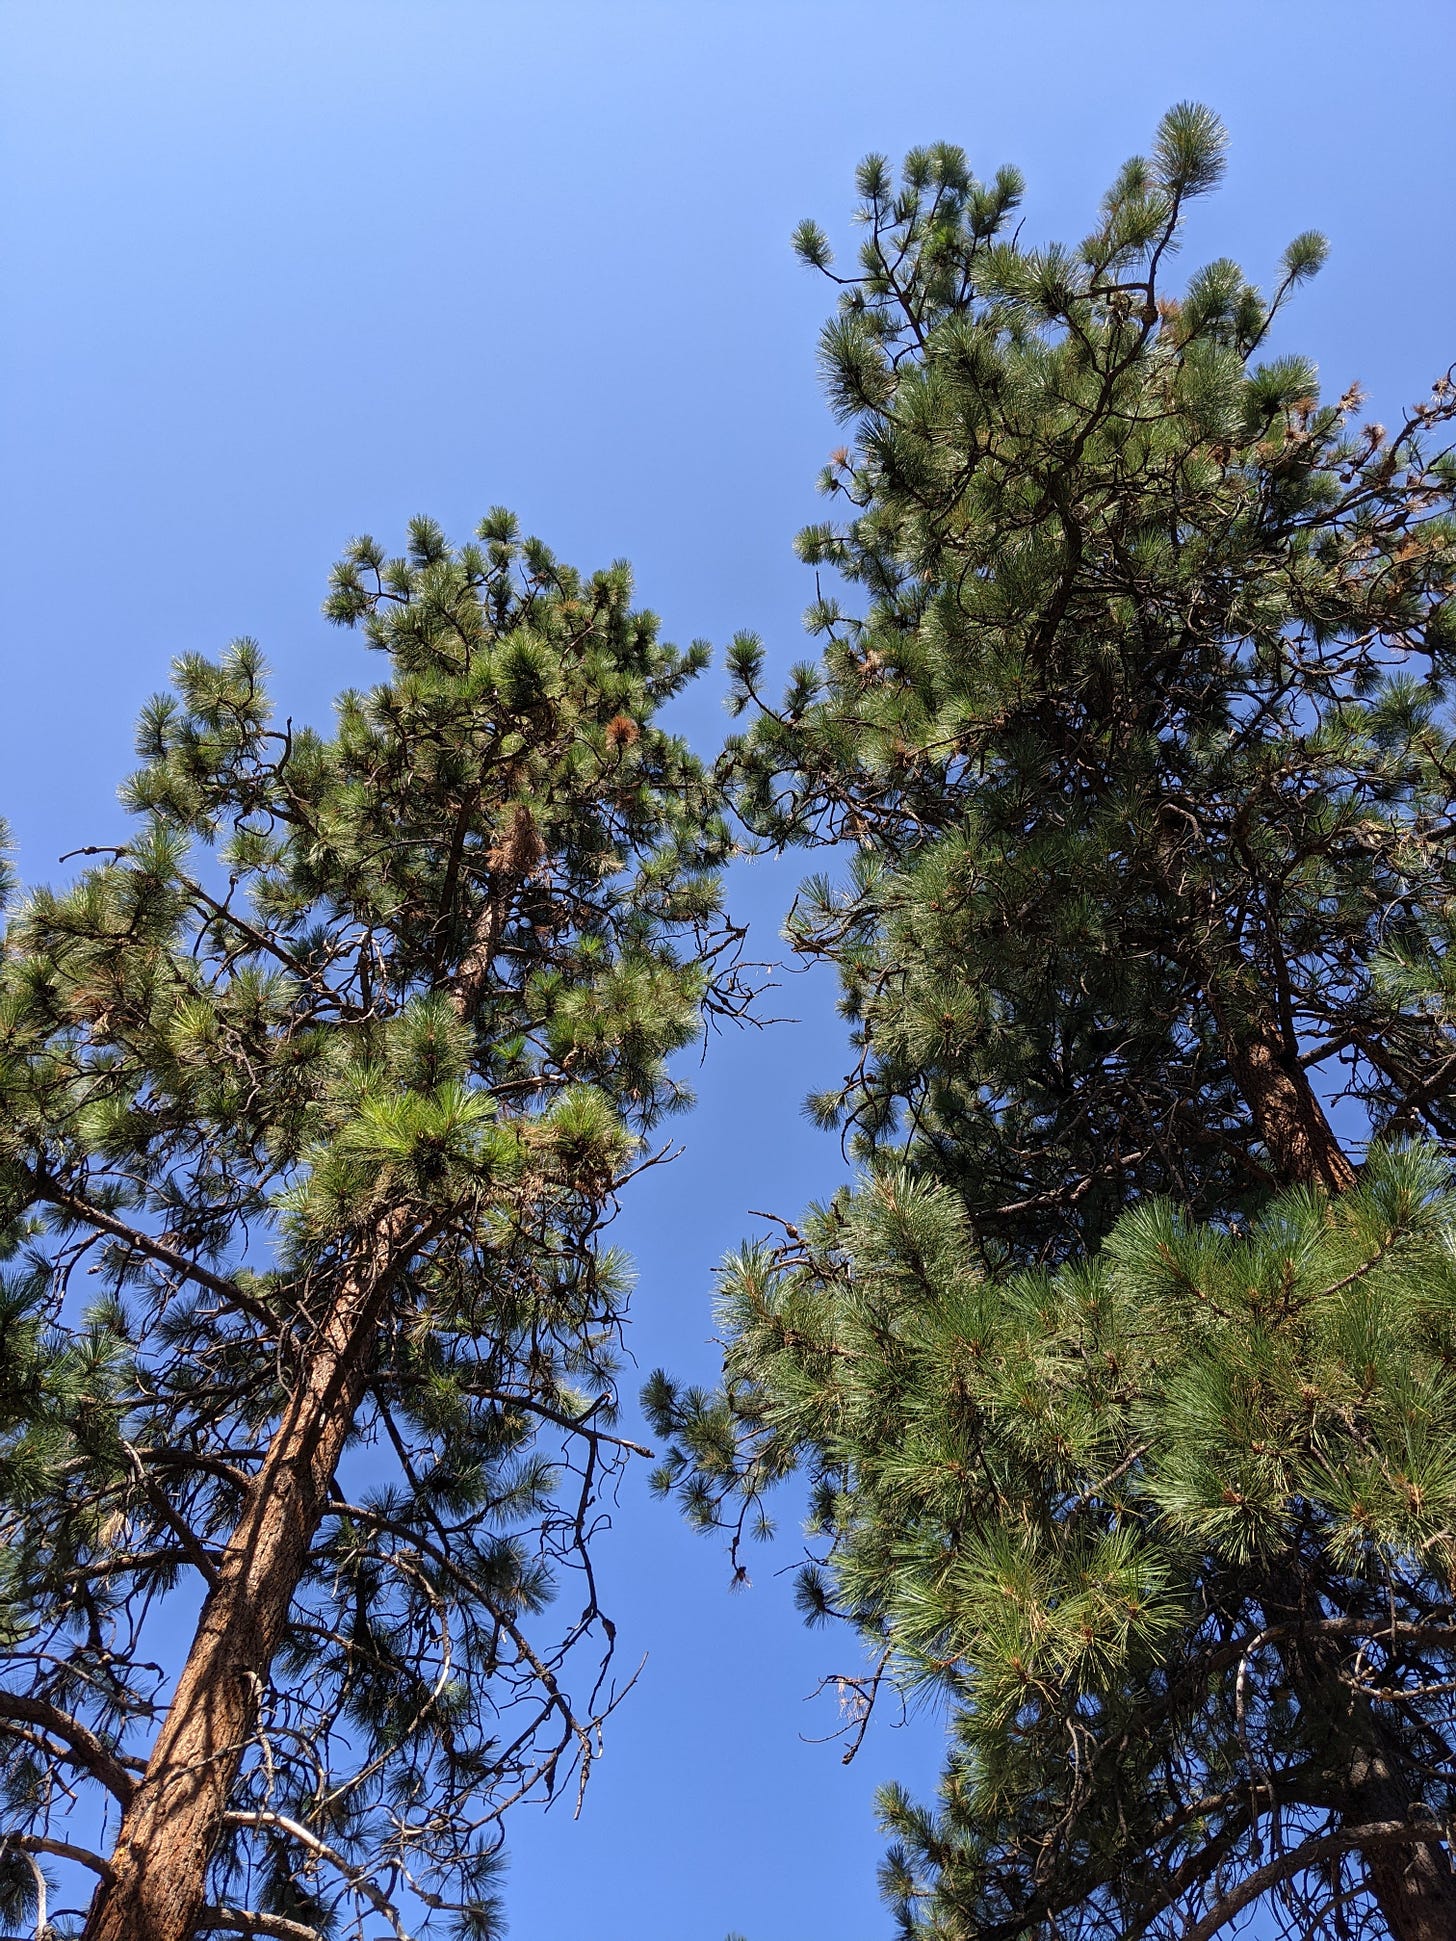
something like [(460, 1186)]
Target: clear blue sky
[(278, 273)]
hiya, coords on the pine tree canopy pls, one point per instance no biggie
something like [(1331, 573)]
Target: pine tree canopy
[(318, 1095), (1124, 1396), (1140, 739)]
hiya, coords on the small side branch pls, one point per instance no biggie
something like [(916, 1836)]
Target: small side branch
[(80, 1208), (59, 1849), (242, 1920), (358, 1881)]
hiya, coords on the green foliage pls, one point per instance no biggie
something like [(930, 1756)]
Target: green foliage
[(1140, 734), (428, 970), (1125, 1409), (1079, 1502)]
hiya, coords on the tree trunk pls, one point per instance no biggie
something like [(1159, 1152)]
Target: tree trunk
[(1413, 1886), (1412, 1883), (1263, 1057), (178, 1812), (176, 1817), (1300, 1142)]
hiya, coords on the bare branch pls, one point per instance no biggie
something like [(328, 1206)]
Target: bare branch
[(356, 1877), (242, 1920)]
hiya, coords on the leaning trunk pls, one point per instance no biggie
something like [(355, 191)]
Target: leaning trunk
[(1297, 1136), (1261, 1054), (178, 1813)]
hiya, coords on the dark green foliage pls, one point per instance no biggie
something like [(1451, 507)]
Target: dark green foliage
[(1126, 1411), (430, 969), (1140, 736)]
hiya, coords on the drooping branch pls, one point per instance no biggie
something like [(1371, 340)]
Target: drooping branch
[(44, 1187), (1379, 1835), (357, 1878), (81, 1742)]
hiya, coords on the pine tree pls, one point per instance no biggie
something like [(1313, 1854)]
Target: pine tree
[(319, 1092), (1141, 742), (1171, 1528)]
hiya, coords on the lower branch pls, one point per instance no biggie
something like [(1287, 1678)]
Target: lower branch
[(1309, 1853)]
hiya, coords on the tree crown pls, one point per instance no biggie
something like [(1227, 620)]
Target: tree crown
[(404, 994)]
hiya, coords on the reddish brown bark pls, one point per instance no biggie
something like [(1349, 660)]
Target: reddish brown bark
[(1299, 1139), (178, 1813), (176, 1816), (1263, 1056)]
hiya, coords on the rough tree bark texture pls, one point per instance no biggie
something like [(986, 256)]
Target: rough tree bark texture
[(168, 1832), (1297, 1136)]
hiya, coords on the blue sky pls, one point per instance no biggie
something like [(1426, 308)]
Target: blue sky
[(276, 274)]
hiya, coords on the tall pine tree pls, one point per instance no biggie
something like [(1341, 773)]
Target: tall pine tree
[(319, 1092), (1126, 1399)]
